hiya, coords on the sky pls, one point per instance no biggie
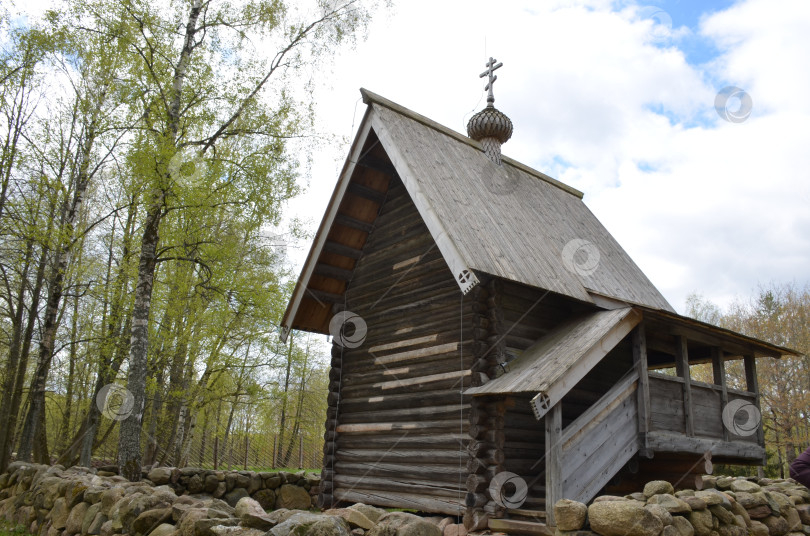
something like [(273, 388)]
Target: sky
[(707, 190)]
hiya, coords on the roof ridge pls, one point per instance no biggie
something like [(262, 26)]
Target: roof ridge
[(371, 97)]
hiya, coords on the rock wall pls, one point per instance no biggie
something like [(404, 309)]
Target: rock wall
[(725, 507), (52, 500)]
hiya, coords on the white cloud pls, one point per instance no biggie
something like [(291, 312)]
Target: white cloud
[(596, 97)]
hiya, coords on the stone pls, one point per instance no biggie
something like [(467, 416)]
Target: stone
[(732, 530), (793, 519), (738, 511), (210, 483), (637, 496), (759, 512), (782, 501), (701, 521), (724, 482), (744, 485), (804, 513), (97, 523), (266, 498), (252, 515), (685, 493), (195, 484), (623, 518), (673, 504), (293, 498), (204, 527), (89, 516), (353, 518), (271, 480), (185, 525), (149, 519), (166, 529), (695, 503), (59, 514), (160, 475), (712, 496), (454, 529), (670, 530), (683, 526), (403, 524), (371, 512), (75, 493), (709, 481), (750, 500), (235, 495), (725, 516), (109, 498), (610, 498), (73, 525), (656, 487), (758, 529), (331, 526), (777, 525), (221, 490), (300, 522), (660, 512), (222, 530), (570, 515)]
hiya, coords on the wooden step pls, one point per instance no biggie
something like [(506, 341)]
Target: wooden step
[(515, 526)]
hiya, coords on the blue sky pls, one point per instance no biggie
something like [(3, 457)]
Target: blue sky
[(613, 100)]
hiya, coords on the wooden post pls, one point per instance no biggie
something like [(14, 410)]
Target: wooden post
[(554, 476), (682, 368), (752, 384), (275, 447), (643, 393), (719, 371)]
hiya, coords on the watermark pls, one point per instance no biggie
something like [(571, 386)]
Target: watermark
[(733, 104), (348, 329), (508, 490), (115, 402), (741, 417), (661, 21), (187, 167), (504, 182), (581, 257)]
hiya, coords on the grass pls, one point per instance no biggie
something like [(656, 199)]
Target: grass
[(8, 529)]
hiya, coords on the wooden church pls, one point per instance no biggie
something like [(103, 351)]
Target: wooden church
[(494, 349)]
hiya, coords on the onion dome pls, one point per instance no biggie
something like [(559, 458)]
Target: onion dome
[(490, 126)]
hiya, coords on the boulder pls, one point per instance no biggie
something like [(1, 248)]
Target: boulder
[(299, 522), (195, 484), (293, 498), (759, 512), (59, 514), (793, 519), (185, 526), (725, 516), (266, 498), (701, 521), (95, 526), (623, 518), (656, 487), (683, 526), (670, 530), (271, 480), (671, 503), (804, 513), (205, 527), (331, 526), (73, 525), (252, 515), (744, 485), (210, 483), (777, 525), (149, 519), (235, 495), (695, 503), (222, 530), (570, 515), (371, 512), (712, 496), (166, 529), (160, 475), (403, 524), (660, 512), (91, 514), (453, 529), (353, 518)]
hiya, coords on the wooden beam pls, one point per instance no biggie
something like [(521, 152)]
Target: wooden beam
[(752, 384), (345, 251), (554, 476), (333, 272), (682, 368), (516, 526), (323, 296), (354, 223), (378, 164), (722, 451), (719, 371), (366, 193), (640, 362)]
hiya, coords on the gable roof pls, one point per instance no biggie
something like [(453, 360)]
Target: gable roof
[(509, 221)]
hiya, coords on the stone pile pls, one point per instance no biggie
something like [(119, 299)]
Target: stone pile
[(54, 501), (726, 506)]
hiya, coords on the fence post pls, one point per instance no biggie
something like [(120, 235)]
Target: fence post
[(300, 451), (275, 446)]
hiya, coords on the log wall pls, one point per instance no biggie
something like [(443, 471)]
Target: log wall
[(398, 425)]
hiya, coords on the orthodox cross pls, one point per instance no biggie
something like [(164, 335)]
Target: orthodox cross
[(491, 66)]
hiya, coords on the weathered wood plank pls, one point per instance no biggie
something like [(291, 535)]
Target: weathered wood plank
[(554, 459)]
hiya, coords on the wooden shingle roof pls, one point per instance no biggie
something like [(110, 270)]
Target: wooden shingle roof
[(509, 221)]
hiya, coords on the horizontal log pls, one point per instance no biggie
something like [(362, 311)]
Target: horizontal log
[(475, 500), (442, 473), (426, 456), (401, 500), (354, 223), (458, 411), (340, 249), (398, 485), (404, 440), (366, 192)]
